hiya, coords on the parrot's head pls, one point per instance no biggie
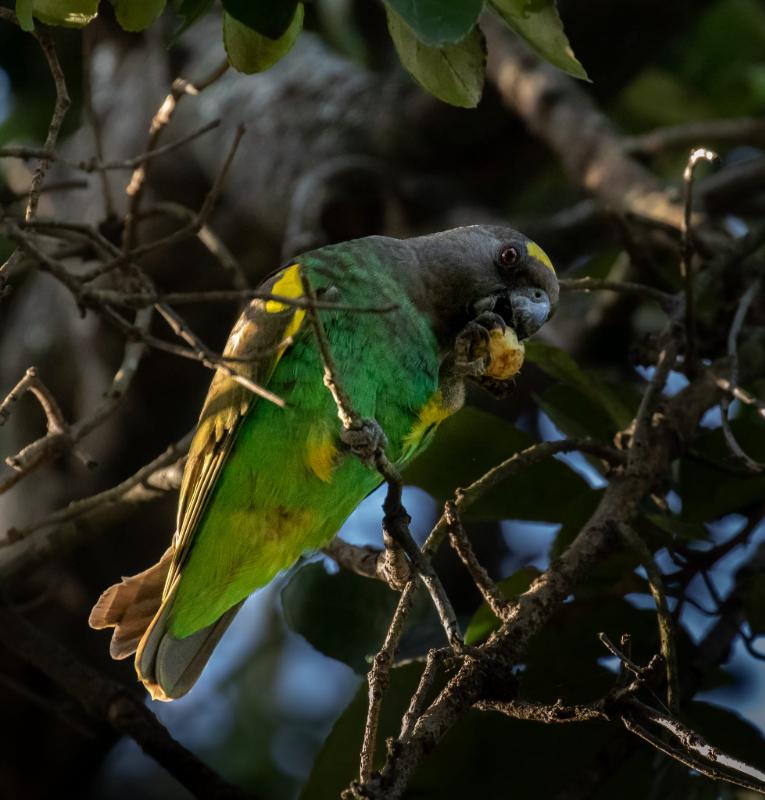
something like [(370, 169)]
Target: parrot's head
[(467, 271)]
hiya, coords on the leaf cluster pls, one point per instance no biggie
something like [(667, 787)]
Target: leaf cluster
[(439, 42)]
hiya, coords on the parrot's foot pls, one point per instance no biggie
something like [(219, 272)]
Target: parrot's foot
[(366, 440), (471, 348), (392, 565)]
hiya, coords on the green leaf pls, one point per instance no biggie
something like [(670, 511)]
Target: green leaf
[(560, 365), (135, 15), (252, 52), (692, 531), (436, 22), (711, 484), (575, 414), (68, 13), (24, 13), (270, 18), (472, 442), (754, 605), (483, 621), (345, 616), (453, 73), (538, 22)]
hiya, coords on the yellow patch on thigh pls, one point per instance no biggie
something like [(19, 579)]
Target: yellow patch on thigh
[(432, 413), (321, 455)]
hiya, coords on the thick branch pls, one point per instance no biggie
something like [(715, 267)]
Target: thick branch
[(109, 701)]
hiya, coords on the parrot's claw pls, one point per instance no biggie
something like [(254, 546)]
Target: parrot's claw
[(366, 440), (490, 321), (471, 347)]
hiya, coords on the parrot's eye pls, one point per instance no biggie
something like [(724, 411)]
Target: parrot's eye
[(508, 256)]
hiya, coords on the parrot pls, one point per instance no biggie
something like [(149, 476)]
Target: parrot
[(407, 321)]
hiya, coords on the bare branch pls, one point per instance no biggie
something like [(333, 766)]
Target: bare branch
[(665, 300), (750, 130), (693, 751)]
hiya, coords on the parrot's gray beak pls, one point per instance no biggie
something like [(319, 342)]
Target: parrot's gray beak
[(525, 310), (530, 307)]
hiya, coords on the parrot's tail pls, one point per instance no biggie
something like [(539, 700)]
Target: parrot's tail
[(130, 605), (167, 666)]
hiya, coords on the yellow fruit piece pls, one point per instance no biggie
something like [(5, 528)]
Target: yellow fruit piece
[(506, 354)]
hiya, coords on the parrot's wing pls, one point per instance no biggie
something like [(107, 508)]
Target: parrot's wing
[(260, 337)]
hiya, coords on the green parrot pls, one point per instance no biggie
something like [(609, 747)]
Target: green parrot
[(263, 484)]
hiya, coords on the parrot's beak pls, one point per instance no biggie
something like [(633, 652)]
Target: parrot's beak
[(524, 310), (530, 308)]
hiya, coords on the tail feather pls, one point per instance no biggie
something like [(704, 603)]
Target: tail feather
[(169, 666), (130, 606), (135, 608)]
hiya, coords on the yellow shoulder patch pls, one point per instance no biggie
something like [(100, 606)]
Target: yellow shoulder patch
[(288, 285), (535, 251)]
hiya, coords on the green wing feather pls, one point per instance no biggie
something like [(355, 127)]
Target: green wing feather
[(259, 339)]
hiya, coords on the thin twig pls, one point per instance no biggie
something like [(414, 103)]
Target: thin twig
[(97, 164), (666, 626), (211, 359), (78, 508), (116, 297), (162, 117), (665, 300), (419, 698), (749, 130), (735, 329), (378, 677), (57, 430), (211, 241), (686, 256), (184, 232), (461, 544), (56, 442)]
